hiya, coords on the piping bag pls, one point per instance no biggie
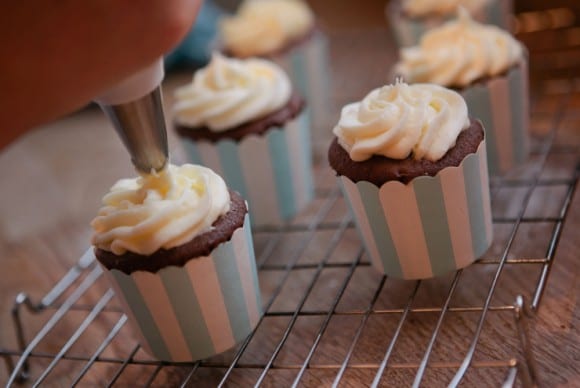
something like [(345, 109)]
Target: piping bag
[(135, 108)]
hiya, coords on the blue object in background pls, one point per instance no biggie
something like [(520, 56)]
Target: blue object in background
[(195, 49)]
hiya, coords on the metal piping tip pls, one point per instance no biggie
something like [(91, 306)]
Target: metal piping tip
[(141, 126)]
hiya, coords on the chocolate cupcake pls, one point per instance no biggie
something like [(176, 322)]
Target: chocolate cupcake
[(412, 167), (379, 169), (410, 19), (285, 32), (242, 119), (178, 251), (489, 68)]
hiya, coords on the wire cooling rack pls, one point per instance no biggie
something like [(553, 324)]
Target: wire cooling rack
[(330, 319), (323, 300)]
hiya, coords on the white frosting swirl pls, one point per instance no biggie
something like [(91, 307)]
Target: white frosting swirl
[(458, 53), (230, 92), (399, 120), (161, 210), (264, 26), (422, 8)]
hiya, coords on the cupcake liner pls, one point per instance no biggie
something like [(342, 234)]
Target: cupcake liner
[(307, 65), (272, 171), (408, 31), (184, 314), (428, 227), (502, 105), (500, 13)]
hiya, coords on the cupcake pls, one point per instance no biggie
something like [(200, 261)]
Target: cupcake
[(177, 248), (242, 119), (285, 32), (412, 167), (410, 19), (489, 68)]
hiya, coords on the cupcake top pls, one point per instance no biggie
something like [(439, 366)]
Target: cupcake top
[(458, 53), (262, 27), (160, 211), (400, 120), (423, 8), (229, 92)]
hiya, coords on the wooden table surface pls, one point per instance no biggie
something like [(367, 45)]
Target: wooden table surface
[(52, 180)]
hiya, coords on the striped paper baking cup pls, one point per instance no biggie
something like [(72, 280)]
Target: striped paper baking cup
[(184, 314), (408, 31), (428, 227), (502, 105), (307, 65), (273, 171)]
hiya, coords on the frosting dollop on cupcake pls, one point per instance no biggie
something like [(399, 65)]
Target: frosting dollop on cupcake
[(161, 210), (458, 53), (396, 121), (262, 27), (229, 92), (422, 8)]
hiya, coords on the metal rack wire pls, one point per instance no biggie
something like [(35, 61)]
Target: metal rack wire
[(329, 319)]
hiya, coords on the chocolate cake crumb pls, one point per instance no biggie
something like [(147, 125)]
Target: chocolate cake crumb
[(258, 126), (202, 245), (380, 169)]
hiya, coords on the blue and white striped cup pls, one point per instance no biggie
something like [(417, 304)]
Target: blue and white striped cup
[(307, 65), (502, 105), (184, 314), (272, 171), (428, 227)]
